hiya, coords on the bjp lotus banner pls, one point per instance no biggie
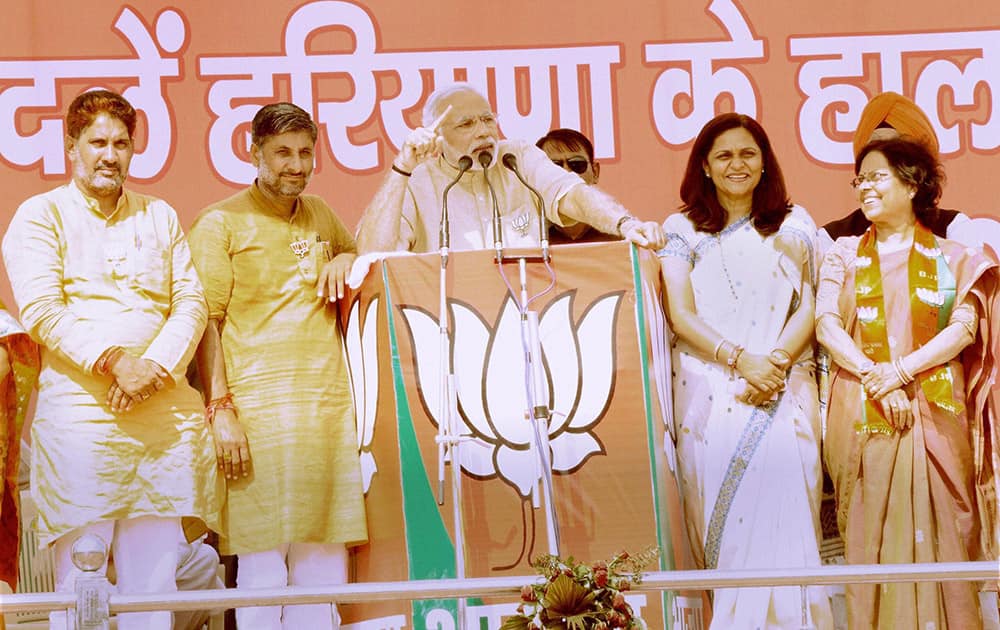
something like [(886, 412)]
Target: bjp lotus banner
[(640, 79), (605, 370)]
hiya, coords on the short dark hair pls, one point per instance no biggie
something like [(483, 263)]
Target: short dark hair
[(701, 202), (916, 166), (87, 106), (569, 138), (278, 118)]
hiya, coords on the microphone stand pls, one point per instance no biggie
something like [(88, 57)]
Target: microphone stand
[(449, 437), (444, 345), (535, 382), (538, 410)]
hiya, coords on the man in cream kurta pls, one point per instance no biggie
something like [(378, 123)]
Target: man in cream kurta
[(104, 283), (405, 213), (471, 205), (273, 262)]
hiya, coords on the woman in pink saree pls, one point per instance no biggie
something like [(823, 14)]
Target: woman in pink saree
[(909, 319)]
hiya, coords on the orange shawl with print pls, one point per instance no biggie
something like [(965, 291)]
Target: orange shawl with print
[(978, 278), (15, 390), (980, 363)]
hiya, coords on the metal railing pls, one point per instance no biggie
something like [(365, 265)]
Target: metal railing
[(507, 586)]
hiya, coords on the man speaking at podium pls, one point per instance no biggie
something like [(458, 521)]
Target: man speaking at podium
[(460, 134)]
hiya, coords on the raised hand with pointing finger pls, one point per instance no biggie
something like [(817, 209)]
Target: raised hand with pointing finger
[(422, 143)]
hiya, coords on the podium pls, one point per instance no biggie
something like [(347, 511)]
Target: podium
[(607, 368)]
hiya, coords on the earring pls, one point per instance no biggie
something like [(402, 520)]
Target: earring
[(707, 175)]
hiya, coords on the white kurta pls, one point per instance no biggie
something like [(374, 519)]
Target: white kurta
[(84, 282)]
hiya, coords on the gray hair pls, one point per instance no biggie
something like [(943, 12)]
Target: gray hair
[(436, 102)]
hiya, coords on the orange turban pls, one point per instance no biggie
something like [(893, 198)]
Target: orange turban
[(901, 114)]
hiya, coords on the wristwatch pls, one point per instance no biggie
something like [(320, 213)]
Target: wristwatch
[(625, 218)]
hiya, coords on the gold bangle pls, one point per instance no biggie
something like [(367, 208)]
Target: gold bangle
[(782, 355), (734, 356), (904, 377), (715, 354)]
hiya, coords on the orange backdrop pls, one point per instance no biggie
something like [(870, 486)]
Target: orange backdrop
[(640, 80)]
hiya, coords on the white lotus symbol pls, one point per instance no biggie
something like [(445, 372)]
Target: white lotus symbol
[(488, 364), (362, 359), (930, 297), (867, 314)]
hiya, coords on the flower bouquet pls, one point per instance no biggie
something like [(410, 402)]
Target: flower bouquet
[(579, 596)]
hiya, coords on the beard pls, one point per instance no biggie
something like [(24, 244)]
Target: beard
[(276, 185), (99, 183)]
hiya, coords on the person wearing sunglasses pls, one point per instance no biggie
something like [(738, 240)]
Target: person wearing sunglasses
[(572, 151)]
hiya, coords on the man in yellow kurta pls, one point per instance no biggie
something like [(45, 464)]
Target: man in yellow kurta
[(105, 285), (273, 262)]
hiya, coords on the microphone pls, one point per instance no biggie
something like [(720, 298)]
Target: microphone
[(484, 160), (444, 237), (510, 161)]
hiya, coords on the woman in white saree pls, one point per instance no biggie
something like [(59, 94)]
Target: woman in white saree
[(739, 268)]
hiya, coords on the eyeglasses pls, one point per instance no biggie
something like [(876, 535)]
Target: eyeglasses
[(874, 178), (578, 165)]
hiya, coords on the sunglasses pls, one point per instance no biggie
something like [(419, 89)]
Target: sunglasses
[(578, 165)]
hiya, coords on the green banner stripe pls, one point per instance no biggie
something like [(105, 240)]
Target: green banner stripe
[(429, 549), (663, 538)]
